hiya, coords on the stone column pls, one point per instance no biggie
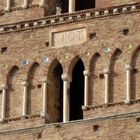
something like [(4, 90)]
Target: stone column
[(8, 5), (43, 4), (25, 5), (71, 6), (128, 83), (25, 95), (66, 86), (44, 107), (106, 75), (3, 113), (86, 85)]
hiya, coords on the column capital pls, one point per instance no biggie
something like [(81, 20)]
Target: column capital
[(4, 86), (44, 80), (106, 71), (66, 77), (86, 73), (25, 83), (128, 67), (43, 4)]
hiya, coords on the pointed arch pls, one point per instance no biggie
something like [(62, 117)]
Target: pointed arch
[(96, 67), (135, 75), (117, 77), (14, 92), (34, 79), (72, 63), (55, 92)]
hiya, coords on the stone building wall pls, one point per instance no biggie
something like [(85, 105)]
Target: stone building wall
[(31, 46), (33, 52), (104, 128)]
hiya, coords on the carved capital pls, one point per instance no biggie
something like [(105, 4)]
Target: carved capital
[(106, 71), (25, 83), (65, 77), (43, 4), (86, 73), (44, 80), (84, 108), (4, 86), (128, 67)]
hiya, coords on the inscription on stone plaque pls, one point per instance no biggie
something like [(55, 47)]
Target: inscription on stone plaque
[(70, 37)]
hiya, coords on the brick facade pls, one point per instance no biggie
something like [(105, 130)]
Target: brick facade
[(27, 54)]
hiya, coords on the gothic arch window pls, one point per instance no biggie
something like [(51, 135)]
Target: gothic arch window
[(13, 107), (55, 92), (77, 90), (34, 89), (117, 77), (96, 95)]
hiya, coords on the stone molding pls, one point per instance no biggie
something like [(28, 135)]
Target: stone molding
[(70, 18)]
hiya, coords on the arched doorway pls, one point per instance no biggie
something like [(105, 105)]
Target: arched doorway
[(77, 91), (55, 92)]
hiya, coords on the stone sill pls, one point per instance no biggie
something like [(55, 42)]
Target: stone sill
[(135, 115), (78, 16), (7, 120), (111, 105)]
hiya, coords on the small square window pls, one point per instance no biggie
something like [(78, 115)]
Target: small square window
[(4, 49), (95, 128), (126, 32), (92, 36)]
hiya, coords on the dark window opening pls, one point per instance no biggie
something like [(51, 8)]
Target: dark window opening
[(47, 43), (39, 86), (84, 4), (95, 128), (39, 136), (134, 71), (101, 76), (58, 72), (79, 5), (126, 31), (4, 49), (92, 36), (138, 119), (64, 5), (77, 92)]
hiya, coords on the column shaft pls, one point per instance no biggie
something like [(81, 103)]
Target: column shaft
[(71, 6), (128, 83), (8, 5), (25, 90), (106, 74), (3, 113), (25, 5), (86, 74), (65, 101), (44, 109)]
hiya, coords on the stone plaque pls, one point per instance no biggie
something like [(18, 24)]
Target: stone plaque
[(69, 37)]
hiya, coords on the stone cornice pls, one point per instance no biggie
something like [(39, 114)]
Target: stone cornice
[(70, 18)]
